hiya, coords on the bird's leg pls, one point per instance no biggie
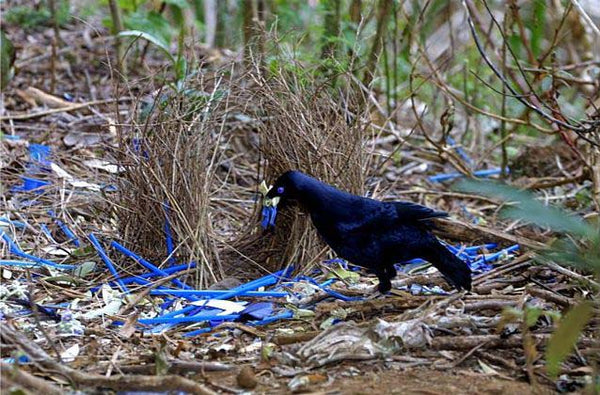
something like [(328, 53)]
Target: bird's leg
[(391, 272), (384, 280)]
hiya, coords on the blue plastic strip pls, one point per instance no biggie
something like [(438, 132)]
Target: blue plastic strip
[(65, 229), (168, 234), (459, 150), (68, 232), (48, 233), (212, 294), (192, 318), (478, 173), (197, 332), (147, 264), (169, 270), (107, 261), (281, 316), (15, 250), (331, 292), (18, 263), (16, 224)]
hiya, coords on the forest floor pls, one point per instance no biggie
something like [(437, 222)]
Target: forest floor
[(67, 102)]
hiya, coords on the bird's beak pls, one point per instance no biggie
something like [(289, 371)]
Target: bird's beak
[(269, 210)]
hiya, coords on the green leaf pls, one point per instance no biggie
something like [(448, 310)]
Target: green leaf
[(528, 208), (84, 269), (182, 4), (564, 338), (531, 315), (152, 23), (158, 41), (7, 59)]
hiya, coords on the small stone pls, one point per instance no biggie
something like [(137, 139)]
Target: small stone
[(246, 378)]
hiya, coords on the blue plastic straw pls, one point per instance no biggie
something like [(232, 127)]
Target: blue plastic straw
[(478, 173), (15, 250), (107, 261), (215, 294), (169, 270), (197, 332), (48, 233), (68, 232), (65, 229), (281, 316), (495, 256), (273, 318), (331, 292), (181, 311), (147, 264), (18, 263), (16, 224), (193, 318), (459, 150), (262, 282), (474, 249), (168, 234)]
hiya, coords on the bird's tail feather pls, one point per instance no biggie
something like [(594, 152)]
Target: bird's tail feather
[(454, 270)]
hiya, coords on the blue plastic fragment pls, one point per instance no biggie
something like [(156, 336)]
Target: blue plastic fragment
[(30, 184), (107, 261), (40, 154), (256, 311), (20, 360), (281, 316), (269, 214), (478, 173)]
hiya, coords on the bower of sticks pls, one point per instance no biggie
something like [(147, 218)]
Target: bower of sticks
[(133, 257)]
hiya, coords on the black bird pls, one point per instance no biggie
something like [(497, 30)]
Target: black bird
[(368, 232)]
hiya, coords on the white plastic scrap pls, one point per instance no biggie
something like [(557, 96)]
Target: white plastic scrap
[(348, 341), (70, 353), (227, 306), (112, 303), (61, 173)]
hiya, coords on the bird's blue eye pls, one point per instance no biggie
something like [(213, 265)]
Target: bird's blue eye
[(280, 190)]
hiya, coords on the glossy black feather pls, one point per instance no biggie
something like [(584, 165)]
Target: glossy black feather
[(371, 233)]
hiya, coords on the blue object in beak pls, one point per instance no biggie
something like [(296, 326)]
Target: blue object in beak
[(268, 216)]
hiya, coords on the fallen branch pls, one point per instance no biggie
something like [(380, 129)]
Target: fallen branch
[(457, 343), (458, 230), (73, 107), (549, 296), (178, 367), (15, 375)]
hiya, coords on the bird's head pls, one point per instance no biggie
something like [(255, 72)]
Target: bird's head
[(284, 190)]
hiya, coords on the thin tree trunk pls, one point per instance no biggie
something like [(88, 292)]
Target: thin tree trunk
[(385, 7), (115, 13), (331, 28)]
